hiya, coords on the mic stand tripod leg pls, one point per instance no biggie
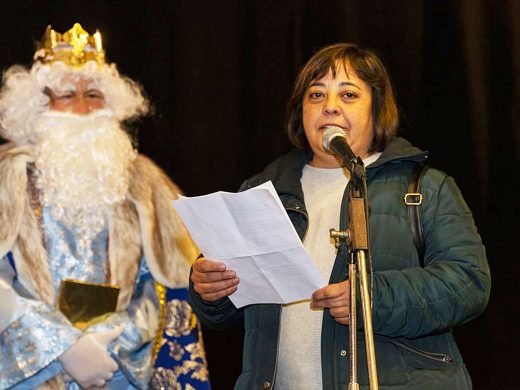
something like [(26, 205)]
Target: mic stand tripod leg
[(360, 263), (367, 319), (352, 277)]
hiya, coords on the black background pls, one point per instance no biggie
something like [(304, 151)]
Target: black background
[(219, 74)]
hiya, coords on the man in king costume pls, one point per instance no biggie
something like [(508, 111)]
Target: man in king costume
[(85, 223)]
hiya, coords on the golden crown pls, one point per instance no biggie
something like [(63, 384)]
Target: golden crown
[(74, 47)]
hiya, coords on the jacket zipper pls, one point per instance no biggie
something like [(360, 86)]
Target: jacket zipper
[(440, 357), (277, 348)]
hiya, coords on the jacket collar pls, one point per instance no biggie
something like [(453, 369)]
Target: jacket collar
[(286, 171), (398, 150)]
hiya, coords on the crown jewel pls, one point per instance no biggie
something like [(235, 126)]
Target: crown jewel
[(74, 47)]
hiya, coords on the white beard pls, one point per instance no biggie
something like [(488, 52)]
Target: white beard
[(82, 166)]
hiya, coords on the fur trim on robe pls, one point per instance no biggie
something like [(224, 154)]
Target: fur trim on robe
[(145, 224)]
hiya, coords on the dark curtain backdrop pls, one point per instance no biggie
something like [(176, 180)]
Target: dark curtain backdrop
[(219, 74)]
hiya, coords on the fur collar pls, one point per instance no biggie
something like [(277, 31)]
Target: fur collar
[(145, 224)]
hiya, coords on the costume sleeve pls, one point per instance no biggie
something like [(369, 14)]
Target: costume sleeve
[(454, 285), (32, 335), (217, 315), (140, 321)]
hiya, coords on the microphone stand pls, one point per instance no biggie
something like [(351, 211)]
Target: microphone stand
[(356, 238)]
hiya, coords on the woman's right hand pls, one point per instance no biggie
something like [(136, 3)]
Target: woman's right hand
[(211, 279)]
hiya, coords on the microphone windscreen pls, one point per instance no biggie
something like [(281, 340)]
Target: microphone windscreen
[(329, 134)]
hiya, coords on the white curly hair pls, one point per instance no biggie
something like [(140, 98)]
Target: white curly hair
[(23, 98)]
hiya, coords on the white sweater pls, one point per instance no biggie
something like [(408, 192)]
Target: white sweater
[(299, 348)]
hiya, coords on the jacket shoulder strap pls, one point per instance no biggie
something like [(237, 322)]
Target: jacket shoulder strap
[(413, 199)]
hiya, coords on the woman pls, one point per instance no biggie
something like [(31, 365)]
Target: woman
[(304, 346)]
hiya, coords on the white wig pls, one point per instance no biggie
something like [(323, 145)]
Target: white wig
[(23, 96)]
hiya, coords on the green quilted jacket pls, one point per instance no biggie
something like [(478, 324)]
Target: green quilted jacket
[(414, 308)]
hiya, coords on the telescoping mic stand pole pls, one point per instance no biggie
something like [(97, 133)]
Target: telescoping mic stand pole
[(356, 237)]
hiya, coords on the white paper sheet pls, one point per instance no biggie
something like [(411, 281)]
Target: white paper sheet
[(252, 234)]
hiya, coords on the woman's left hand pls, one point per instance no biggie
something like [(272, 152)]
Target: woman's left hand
[(336, 298)]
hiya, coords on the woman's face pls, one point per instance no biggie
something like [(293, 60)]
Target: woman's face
[(343, 101)]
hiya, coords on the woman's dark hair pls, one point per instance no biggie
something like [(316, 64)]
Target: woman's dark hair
[(369, 68)]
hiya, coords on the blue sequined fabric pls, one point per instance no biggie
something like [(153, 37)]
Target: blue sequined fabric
[(72, 258), (32, 342)]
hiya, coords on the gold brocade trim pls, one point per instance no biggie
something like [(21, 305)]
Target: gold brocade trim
[(168, 378), (176, 320), (161, 294), (180, 319)]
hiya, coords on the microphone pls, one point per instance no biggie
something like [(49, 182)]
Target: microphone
[(334, 140)]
